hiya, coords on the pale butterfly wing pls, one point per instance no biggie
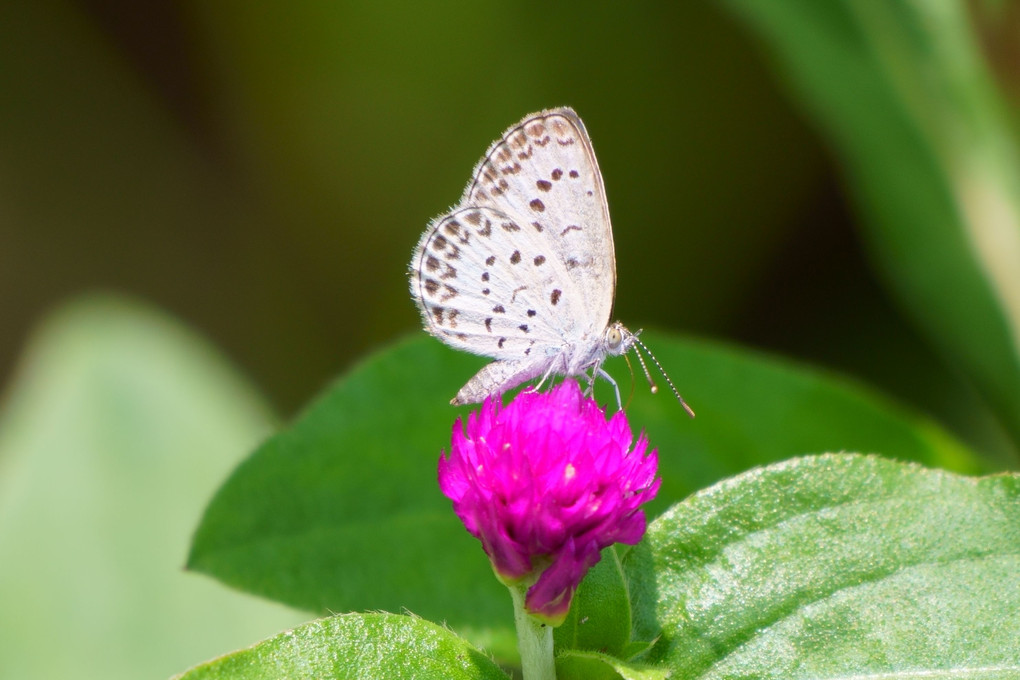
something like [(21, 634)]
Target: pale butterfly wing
[(543, 172), (485, 287), (523, 269)]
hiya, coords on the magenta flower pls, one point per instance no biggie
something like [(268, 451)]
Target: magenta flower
[(545, 484)]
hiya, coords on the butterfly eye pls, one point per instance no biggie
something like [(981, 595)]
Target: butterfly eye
[(614, 337)]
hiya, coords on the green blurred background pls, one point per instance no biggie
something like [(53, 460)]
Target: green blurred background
[(261, 172)]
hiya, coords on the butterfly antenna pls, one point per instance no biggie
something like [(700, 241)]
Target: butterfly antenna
[(651, 383)]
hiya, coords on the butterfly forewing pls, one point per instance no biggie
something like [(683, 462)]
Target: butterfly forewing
[(543, 173)]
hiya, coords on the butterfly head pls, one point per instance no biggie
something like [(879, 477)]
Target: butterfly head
[(618, 340)]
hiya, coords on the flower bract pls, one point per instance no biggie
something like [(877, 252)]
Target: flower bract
[(545, 483)]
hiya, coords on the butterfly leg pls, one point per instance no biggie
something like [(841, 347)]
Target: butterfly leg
[(609, 378), (589, 390), (545, 376)]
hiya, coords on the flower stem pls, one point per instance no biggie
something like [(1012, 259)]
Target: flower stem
[(534, 640)]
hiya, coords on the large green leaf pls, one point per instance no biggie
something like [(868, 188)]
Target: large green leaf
[(341, 511), (599, 618), (356, 646), (900, 89), (835, 566), (755, 409), (575, 665), (117, 427)]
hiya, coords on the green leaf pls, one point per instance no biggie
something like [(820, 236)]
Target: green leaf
[(900, 89), (599, 618), (341, 511), (835, 566), (578, 665), (356, 646), (117, 427), (755, 409)]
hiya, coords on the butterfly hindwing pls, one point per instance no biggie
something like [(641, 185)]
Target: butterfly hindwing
[(486, 285)]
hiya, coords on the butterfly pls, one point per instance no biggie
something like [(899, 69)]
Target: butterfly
[(523, 269)]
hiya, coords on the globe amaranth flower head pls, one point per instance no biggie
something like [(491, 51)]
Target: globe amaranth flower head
[(545, 484)]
